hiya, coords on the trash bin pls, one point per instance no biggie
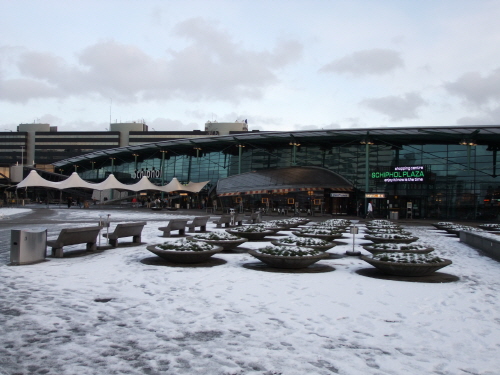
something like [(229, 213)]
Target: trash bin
[(394, 215), (27, 246)]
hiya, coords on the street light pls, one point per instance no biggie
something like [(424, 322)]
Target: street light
[(468, 142), (367, 141), (240, 150), (294, 151)]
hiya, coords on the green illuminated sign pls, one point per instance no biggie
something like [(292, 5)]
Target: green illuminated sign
[(416, 173)]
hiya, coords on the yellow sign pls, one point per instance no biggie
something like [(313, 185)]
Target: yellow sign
[(374, 195)]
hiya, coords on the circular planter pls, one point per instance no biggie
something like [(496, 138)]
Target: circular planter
[(184, 256), (442, 225), (406, 269), (251, 236), (338, 228), (466, 228), (387, 231), (374, 250), (390, 240), (384, 226), (225, 244), (284, 224), (275, 229), (490, 227), (315, 247), (278, 261), (326, 237)]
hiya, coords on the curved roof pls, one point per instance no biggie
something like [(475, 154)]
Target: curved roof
[(395, 136), (283, 179)]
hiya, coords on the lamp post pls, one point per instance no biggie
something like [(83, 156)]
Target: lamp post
[(198, 149), (112, 172), (162, 170), (135, 160), (367, 142), (294, 151), (240, 151), (468, 142)]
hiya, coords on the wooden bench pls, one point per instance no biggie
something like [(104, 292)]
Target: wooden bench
[(174, 224), (133, 230), (198, 221), (224, 219), (74, 236)]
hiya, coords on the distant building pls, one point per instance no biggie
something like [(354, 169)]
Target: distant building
[(225, 128), (42, 145)]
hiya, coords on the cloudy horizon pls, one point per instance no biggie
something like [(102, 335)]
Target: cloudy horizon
[(307, 65)]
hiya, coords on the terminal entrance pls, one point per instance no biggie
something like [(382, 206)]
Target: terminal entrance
[(339, 204)]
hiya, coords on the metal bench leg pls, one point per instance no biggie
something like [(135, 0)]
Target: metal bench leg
[(203, 228), (113, 242), (181, 232), (136, 239)]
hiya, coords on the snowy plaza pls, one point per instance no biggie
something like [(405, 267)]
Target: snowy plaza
[(113, 312)]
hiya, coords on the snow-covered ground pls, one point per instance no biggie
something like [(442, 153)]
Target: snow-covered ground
[(228, 319)]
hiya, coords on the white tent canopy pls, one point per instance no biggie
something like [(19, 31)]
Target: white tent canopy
[(74, 181)]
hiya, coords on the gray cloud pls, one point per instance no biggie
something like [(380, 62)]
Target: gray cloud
[(475, 89), (21, 90), (397, 107), (487, 117), (367, 62), (161, 123), (209, 66)]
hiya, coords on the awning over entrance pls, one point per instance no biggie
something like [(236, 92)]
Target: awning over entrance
[(74, 181), (282, 180)]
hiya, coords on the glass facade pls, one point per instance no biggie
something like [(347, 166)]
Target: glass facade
[(460, 180)]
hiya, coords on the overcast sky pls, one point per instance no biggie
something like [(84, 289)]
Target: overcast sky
[(283, 65)]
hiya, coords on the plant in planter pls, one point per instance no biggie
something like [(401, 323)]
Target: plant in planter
[(223, 239), (288, 256), (490, 227), (455, 229), (391, 237), (383, 226), (398, 248), (287, 223), (380, 222), (271, 225), (343, 222), (251, 232), (311, 242), (325, 233), (339, 223), (185, 251), (406, 264), (324, 225), (387, 230)]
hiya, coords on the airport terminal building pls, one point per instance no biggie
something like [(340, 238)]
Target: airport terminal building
[(425, 172)]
